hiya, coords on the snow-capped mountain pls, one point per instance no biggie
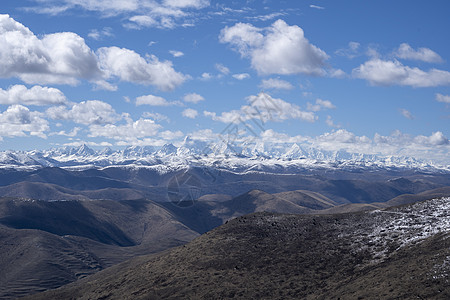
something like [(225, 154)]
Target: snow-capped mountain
[(257, 157)]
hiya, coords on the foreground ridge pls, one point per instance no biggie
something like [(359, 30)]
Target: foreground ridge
[(398, 253)]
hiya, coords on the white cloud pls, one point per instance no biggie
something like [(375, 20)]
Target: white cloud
[(381, 72), (320, 104), (435, 147), (193, 98), (164, 14), (435, 139), (405, 51), (37, 95), (443, 98), (222, 69), (142, 21), (337, 73), (127, 132), (93, 144), (106, 7), (406, 113), (263, 108), (100, 34), (72, 133), (153, 101), (176, 53), (331, 123), (64, 58), (18, 120), (54, 58), (129, 66), (273, 83), (155, 116), (187, 3), (204, 135), (351, 51), (316, 6), (206, 76), (168, 135), (190, 113), (278, 49), (86, 112), (267, 17), (241, 76), (271, 136), (104, 85)]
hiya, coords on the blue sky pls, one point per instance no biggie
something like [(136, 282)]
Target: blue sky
[(363, 76)]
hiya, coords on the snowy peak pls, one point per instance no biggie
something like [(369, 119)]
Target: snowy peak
[(245, 156), (84, 150)]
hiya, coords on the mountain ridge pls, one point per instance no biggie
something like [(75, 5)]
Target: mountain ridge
[(362, 255), (195, 153)]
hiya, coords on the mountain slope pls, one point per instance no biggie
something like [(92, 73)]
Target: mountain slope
[(266, 255), (44, 245)]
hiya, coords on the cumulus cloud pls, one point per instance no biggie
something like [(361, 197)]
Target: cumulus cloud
[(405, 51), (274, 83), (130, 131), (382, 72), (54, 58), (37, 95), (190, 113), (271, 136), (320, 105), (129, 66), (435, 146), (277, 49), (241, 76), (64, 58), (86, 112), (176, 53), (18, 120), (443, 98), (193, 98), (264, 108), (152, 100)]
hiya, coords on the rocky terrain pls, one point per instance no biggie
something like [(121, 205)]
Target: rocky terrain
[(397, 253), (59, 225)]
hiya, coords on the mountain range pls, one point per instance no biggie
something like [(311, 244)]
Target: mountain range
[(191, 152), (68, 213)]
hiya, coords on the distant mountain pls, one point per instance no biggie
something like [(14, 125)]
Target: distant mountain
[(399, 253), (237, 158)]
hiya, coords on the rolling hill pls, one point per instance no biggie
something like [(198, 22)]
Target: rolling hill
[(399, 253)]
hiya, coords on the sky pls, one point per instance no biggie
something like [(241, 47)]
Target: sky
[(362, 76)]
